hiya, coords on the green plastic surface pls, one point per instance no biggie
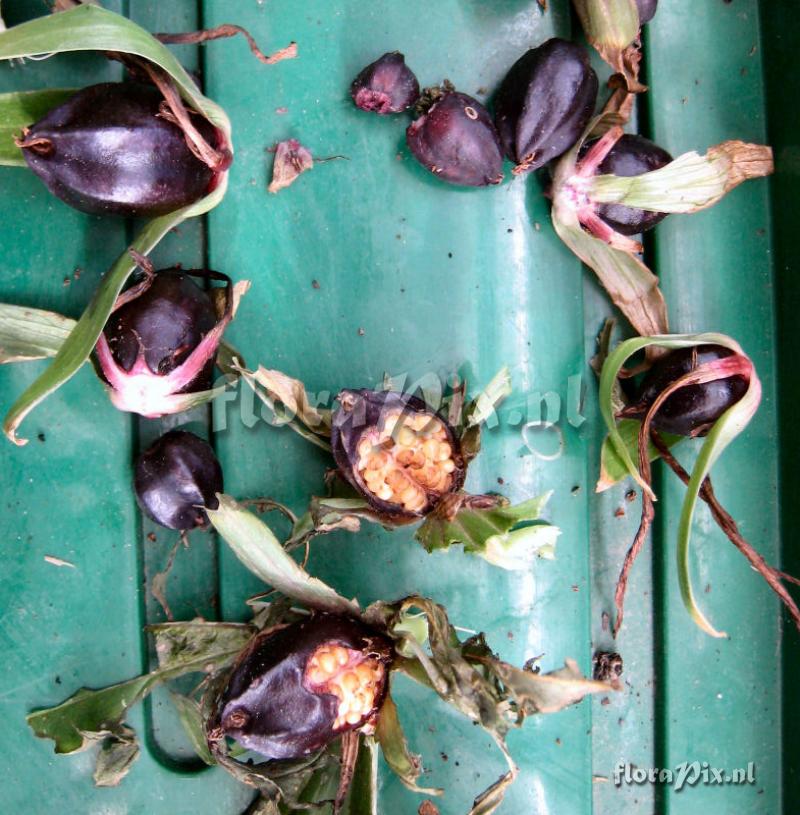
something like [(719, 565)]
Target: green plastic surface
[(369, 265)]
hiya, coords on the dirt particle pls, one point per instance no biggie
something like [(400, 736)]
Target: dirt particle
[(41, 437), (500, 480), (361, 332), (315, 284), (151, 536), (630, 496), (619, 512)]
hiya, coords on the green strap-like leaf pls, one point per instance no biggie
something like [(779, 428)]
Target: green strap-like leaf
[(91, 28), (80, 344), (256, 546), (18, 110), (726, 428), (31, 333)]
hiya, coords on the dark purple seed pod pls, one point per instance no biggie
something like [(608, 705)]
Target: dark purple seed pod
[(175, 478), (456, 140), (693, 409), (631, 155), (544, 103), (294, 690), (396, 452), (385, 86), (107, 151), (647, 10), (162, 343)]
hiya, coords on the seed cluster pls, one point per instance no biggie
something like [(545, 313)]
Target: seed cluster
[(406, 459), (353, 678)]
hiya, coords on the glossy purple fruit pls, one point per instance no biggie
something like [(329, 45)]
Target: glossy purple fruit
[(456, 140), (294, 690), (631, 155), (693, 409), (175, 478), (544, 103), (386, 86), (647, 10), (106, 151), (396, 452), (161, 344)]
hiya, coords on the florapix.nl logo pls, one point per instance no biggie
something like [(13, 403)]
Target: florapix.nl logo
[(538, 415)]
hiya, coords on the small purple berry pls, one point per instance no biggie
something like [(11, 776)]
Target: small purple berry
[(386, 86)]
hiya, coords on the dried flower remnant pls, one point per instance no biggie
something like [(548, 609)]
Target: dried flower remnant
[(291, 159)]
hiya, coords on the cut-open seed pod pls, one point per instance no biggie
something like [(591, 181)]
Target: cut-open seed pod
[(294, 689), (544, 103), (175, 478), (631, 155), (108, 150), (693, 409), (396, 452), (162, 341), (457, 141), (385, 86)]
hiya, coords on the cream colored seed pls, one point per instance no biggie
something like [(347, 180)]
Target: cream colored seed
[(448, 466), (342, 657), (378, 461), (445, 451), (417, 504), (404, 457), (396, 480), (317, 676), (417, 460), (364, 672), (409, 494), (406, 437), (353, 718), (431, 448), (384, 492), (327, 662), (350, 681), (364, 448)]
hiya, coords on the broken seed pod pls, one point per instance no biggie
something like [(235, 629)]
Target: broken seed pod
[(693, 409), (175, 478), (161, 341), (396, 452), (544, 103), (385, 86), (295, 689), (457, 141), (108, 150), (632, 155)]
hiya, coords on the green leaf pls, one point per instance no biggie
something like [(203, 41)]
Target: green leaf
[(181, 647), (91, 28), (20, 109), (31, 333), (81, 341), (404, 764), (89, 712), (259, 550), (725, 429), (612, 467), (488, 533), (690, 182), (115, 757), (362, 797), (192, 720)]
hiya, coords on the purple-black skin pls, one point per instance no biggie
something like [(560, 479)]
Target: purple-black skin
[(362, 409), (265, 705), (693, 409), (109, 153), (631, 155), (456, 140), (545, 102), (175, 478), (165, 323), (385, 86), (647, 10)]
